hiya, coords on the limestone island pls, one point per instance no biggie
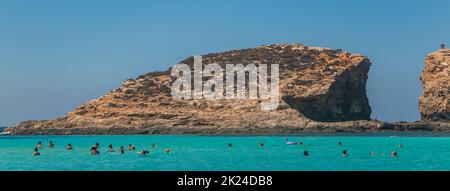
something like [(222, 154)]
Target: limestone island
[(321, 90)]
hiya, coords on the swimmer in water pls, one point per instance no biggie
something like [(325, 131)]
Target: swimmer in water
[(230, 145), (340, 144), (39, 145), (344, 153), (372, 153), (400, 146), (122, 150), (301, 143), (394, 154), (94, 151), (96, 147), (69, 147), (143, 152), (110, 148), (51, 145), (168, 150), (131, 147), (36, 152), (261, 144), (154, 146), (305, 153)]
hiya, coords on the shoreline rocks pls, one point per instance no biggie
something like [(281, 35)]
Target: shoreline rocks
[(319, 128)]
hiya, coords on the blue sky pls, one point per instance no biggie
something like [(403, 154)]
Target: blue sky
[(57, 54)]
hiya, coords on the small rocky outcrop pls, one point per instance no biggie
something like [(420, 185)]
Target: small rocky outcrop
[(316, 85), (435, 100)]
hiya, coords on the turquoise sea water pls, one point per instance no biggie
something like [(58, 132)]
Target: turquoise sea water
[(192, 153)]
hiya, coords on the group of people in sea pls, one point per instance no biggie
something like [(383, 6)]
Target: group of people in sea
[(394, 153), (95, 149), (372, 153)]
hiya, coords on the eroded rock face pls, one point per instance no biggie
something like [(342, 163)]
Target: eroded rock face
[(316, 85), (435, 100)]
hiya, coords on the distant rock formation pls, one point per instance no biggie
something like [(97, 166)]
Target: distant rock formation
[(435, 100), (316, 85)]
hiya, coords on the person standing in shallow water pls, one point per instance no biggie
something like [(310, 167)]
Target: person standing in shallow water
[(110, 148), (39, 145), (122, 150), (51, 145), (344, 153), (94, 150), (36, 152)]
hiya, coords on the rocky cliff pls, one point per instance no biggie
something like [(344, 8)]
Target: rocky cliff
[(435, 101), (316, 85)]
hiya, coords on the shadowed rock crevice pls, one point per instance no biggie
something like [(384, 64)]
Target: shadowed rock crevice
[(346, 100)]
